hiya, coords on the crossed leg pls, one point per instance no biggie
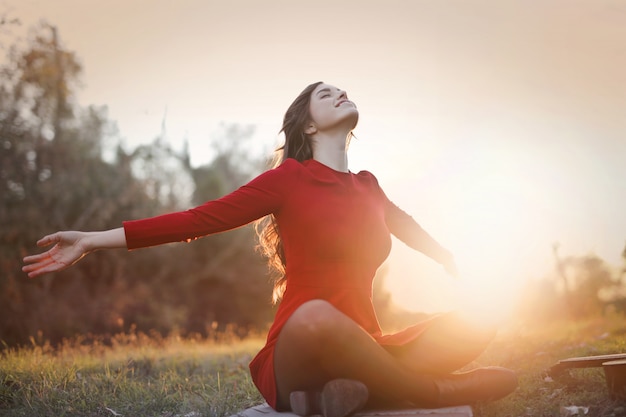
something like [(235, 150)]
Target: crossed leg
[(319, 343), (450, 343)]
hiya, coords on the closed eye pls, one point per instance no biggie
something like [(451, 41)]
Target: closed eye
[(324, 93)]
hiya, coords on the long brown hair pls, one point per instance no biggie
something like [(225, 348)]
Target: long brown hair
[(298, 146)]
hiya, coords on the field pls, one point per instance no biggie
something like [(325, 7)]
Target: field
[(140, 375)]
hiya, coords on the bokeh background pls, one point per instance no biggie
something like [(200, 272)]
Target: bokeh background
[(500, 126)]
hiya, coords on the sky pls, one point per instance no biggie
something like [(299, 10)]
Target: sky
[(499, 125)]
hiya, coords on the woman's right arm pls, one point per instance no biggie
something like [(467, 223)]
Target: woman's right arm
[(261, 196), (69, 248)]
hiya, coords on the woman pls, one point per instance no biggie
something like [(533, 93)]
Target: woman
[(326, 230)]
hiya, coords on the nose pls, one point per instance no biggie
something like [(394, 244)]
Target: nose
[(343, 94)]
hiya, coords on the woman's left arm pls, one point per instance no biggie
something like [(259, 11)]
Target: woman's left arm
[(405, 228)]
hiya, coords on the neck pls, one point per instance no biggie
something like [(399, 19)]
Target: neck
[(331, 150)]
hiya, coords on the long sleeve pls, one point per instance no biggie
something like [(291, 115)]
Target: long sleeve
[(261, 196), (405, 228)]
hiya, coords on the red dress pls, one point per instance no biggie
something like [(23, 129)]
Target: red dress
[(335, 228)]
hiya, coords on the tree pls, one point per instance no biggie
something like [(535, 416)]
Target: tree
[(233, 278), (6, 23), (582, 286), (53, 177)]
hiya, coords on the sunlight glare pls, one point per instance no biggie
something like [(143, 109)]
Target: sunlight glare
[(498, 224), (486, 300), (493, 226)]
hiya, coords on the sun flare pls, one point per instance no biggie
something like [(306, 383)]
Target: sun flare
[(492, 226)]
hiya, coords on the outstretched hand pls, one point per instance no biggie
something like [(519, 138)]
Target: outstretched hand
[(450, 267), (67, 250)]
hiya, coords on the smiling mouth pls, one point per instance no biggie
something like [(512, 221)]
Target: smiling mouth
[(342, 102)]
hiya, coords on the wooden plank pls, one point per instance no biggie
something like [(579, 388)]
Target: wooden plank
[(583, 362), (265, 410)]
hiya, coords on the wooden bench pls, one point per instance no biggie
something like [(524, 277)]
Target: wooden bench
[(614, 370), (583, 362), (615, 374)]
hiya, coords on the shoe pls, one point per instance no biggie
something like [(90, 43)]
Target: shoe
[(482, 384), (338, 398)]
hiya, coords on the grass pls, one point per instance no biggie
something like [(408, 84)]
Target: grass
[(139, 375), (531, 350), (135, 375)]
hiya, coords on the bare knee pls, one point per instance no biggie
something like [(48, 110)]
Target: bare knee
[(315, 320), (300, 345)]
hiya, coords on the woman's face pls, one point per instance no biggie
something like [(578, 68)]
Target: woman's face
[(330, 108)]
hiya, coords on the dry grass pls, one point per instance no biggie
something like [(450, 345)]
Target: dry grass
[(531, 350), (139, 375), (131, 375)]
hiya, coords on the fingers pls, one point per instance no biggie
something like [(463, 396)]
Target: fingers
[(43, 263), (41, 267), (49, 239), (40, 271), (36, 264), (452, 269), (35, 258)]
